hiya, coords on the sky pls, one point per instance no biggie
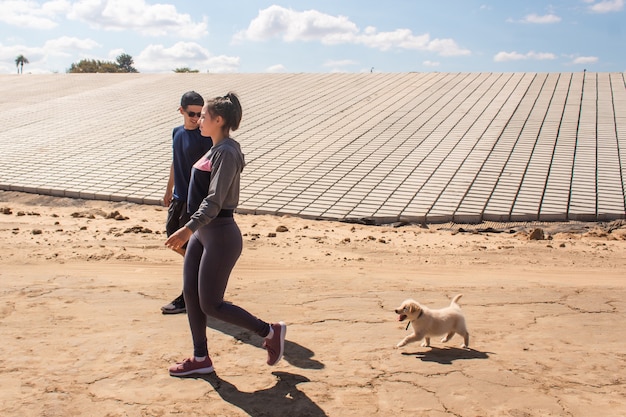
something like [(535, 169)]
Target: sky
[(322, 36)]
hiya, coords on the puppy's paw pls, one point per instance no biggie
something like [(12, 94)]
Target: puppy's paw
[(425, 344), (464, 346), (399, 345)]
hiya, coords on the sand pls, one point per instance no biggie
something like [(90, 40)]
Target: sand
[(82, 283)]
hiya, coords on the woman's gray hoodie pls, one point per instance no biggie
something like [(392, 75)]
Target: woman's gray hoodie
[(225, 162)]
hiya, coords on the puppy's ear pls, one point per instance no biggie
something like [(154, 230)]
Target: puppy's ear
[(413, 308)]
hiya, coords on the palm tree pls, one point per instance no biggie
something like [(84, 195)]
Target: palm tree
[(19, 63)]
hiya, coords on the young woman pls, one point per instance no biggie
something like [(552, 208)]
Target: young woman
[(215, 241)]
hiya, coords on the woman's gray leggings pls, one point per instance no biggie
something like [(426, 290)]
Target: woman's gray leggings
[(211, 255)]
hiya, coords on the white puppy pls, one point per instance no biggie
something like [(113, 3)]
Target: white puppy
[(429, 323)]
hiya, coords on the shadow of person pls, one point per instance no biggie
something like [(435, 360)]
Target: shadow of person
[(447, 355), (297, 355), (283, 399)]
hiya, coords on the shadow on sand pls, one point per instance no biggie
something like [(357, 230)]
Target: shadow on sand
[(283, 399), (297, 355), (447, 355)]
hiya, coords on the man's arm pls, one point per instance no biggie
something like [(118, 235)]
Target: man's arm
[(169, 191)]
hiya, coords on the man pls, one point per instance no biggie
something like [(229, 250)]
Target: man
[(188, 145)]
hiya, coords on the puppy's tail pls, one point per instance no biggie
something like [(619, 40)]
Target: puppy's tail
[(456, 299)]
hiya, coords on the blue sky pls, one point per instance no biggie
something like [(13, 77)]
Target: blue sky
[(257, 36)]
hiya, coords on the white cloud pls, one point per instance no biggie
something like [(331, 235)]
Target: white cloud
[(290, 25), (31, 14), (65, 44), (8, 53), (114, 53), (43, 59), (276, 68), (340, 63), (157, 58), (446, 47), (585, 60), (401, 38), (311, 25), (545, 19), (137, 15), (431, 64), (223, 64), (339, 66), (516, 56), (607, 6)]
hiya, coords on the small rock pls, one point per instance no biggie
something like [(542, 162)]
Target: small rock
[(536, 234), (116, 215), (137, 229), (282, 229)]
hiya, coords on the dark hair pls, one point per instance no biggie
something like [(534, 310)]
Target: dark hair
[(191, 98), (229, 108)]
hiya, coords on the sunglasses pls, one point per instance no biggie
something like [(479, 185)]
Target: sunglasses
[(192, 114)]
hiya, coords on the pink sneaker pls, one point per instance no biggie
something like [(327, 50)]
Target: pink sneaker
[(276, 345), (190, 366)]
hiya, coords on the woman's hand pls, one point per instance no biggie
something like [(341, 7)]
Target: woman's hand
[(179, 238)]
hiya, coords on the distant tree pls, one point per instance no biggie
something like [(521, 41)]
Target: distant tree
[(125, 63), (19, 63), (185, 69), (93, 65)]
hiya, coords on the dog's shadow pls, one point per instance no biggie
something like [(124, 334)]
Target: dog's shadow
[(297, 355), (283, 399), (447, 355)]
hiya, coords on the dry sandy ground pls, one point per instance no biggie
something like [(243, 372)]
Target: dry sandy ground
[(82, 332)]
